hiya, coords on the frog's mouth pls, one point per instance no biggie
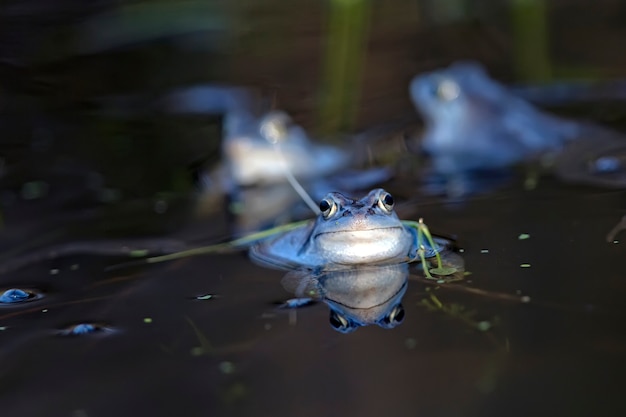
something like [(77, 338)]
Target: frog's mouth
[(360, 235), (373, 245)]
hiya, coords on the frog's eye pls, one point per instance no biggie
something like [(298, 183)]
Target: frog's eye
[(385, 202), (340, 323), (447, 90), (397, 314), (328, 207), (395, 317)]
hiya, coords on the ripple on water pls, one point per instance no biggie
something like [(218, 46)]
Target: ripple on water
[(13, 296)]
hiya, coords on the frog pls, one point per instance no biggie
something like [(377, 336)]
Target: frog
[(473, 123), (361, 296), (250, 137), (250, 150), (347, 233)]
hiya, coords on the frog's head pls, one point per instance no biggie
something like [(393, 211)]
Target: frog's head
[(361, 231), (446, 95)]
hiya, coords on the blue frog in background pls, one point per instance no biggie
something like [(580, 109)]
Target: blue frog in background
[(476, 125)]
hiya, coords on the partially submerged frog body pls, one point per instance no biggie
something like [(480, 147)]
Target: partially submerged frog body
[(475, 123), (249, 137), (346, 234), (356, 297), (253, 159)]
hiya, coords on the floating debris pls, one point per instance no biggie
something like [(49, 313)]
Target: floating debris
[(296, 302), (525, 299), (524, 265), (484, 251), (204, 297), (54, 271), (523, 236), (147, 320)]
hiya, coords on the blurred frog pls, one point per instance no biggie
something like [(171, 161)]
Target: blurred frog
[(475, 124), (261, 151)]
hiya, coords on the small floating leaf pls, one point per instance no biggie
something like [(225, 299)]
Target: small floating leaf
[(525, 265), (443, 270), (523, 236)]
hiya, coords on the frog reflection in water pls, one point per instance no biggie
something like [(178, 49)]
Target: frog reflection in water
[(475, 124), (356, 297), (346, 234)]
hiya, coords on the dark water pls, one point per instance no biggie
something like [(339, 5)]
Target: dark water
[(163, 347)]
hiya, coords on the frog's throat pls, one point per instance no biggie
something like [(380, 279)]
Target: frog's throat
[(356, 231)]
